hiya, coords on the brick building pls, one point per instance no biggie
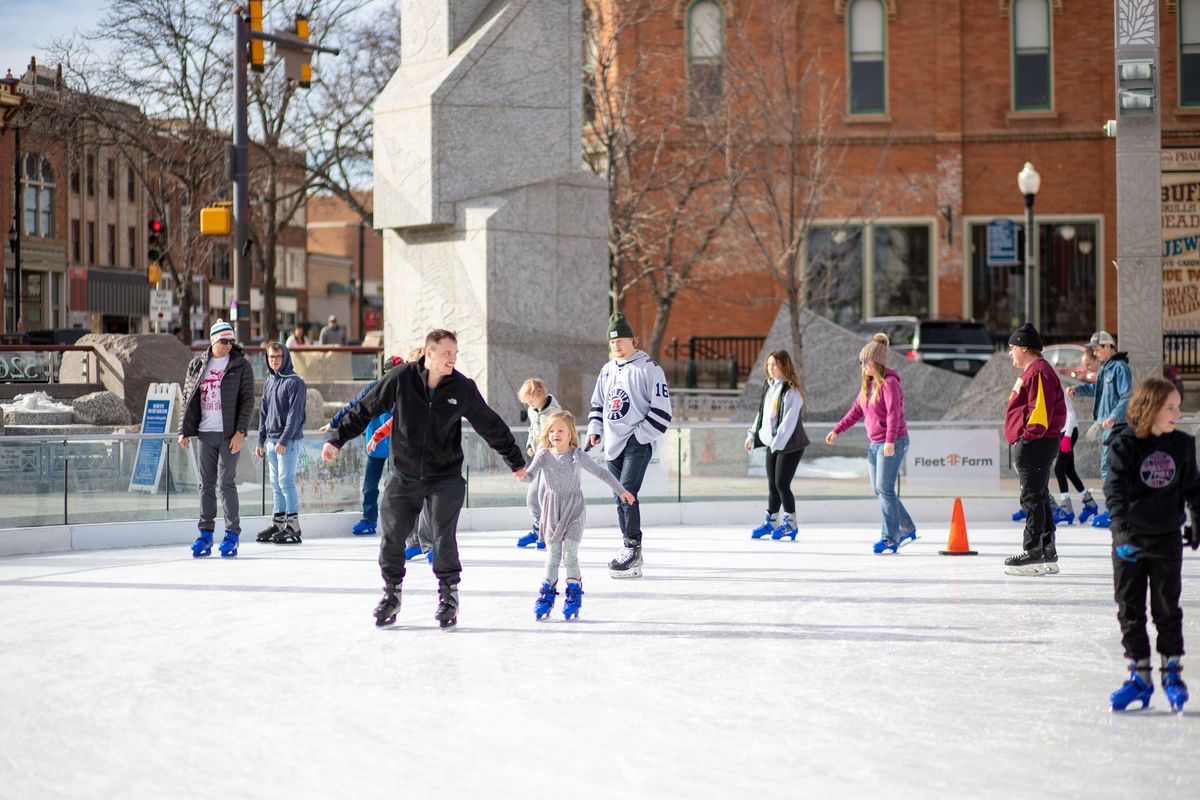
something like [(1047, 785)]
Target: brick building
[(939, 103), (344, 253)]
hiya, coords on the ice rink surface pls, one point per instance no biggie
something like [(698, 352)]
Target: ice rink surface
[(734, 668)]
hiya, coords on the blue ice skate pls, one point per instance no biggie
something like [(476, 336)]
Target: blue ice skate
[(1101, 520), (1020, 515), (363, 528), (545, 602), (1090, 509), (203, 545), (1131, 691), (763, 530), (229, 545), (906, 537), (412, 552), (530, 538), (786, 530), (575, 600), (1173, 685), (429, 556), (1064, 517), (884, 544)]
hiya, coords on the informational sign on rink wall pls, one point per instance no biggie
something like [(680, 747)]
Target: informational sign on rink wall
[(157, 418), (953, 460)]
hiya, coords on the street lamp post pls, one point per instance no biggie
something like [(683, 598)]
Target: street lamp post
[(1029, 181)]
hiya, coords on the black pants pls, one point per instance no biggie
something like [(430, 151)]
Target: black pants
[(781, 468), (1033, 461), (402, 503), (1064, 467), (1159, 564)]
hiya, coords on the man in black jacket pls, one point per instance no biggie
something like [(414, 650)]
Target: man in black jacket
[(428, 399), (218, 396)]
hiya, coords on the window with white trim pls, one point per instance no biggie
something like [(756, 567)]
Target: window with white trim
[(1189, 52), (868, 57), (1031, 54), (705, 56)]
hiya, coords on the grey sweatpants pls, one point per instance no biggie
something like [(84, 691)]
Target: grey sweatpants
[(566, 550), (217, 464)]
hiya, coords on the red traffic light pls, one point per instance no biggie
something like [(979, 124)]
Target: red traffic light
[(156, 226)]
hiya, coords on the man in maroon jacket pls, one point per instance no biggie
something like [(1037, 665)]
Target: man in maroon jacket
[(1033, 424)]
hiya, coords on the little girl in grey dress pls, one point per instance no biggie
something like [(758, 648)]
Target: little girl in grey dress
[(563, 509)]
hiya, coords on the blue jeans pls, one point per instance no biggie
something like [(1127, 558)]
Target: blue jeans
[(630, 468), (283, 477), (883, 471), (370, 491)]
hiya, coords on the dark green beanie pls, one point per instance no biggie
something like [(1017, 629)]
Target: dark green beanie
[(618, 327)]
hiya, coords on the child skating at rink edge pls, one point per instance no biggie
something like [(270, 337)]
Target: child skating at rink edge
[(630, 412), (880, 404), (556, 469), (1033, 423), (539, 403), (1111, 391), (778, 428), (280, 428), (1152, 473)]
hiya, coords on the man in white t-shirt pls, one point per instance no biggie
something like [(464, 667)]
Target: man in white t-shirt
[(218, 396)]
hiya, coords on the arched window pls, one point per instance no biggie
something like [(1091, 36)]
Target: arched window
[(868, 93), (705, 56), (1189, 52), (1031, 54), (37, 186)]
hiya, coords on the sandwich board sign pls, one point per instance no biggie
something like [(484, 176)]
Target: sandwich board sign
[(158, 419)]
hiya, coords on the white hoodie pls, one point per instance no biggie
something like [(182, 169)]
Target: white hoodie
[(631, 399)]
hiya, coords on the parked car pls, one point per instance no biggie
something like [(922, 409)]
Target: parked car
[(1067, 360), (959, 345)]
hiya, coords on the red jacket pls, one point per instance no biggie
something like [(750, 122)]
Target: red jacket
[(1037, 407)]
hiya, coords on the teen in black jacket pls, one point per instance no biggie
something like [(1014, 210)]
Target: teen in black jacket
[(1152, 474), (428, 400)]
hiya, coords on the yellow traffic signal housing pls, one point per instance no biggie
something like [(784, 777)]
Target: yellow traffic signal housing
[(216, 221), (153, 273), (257, 54)]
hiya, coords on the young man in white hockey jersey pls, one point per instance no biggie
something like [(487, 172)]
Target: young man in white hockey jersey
[(630, 412)]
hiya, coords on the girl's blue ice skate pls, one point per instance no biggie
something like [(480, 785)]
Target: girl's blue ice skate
[(763, 530), (574, 600), (229, 545), (884, 544), (1020, 515), (1132, 690), (363, 528), (1064, 517), (786, 530), (545, 602), (906, 537), (1090, 509), (1173, 685), (202, 547), (533, 537)]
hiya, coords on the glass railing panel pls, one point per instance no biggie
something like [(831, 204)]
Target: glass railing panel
[(32, 477)]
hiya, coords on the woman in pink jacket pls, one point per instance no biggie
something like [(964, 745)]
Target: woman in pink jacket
[(880, 402)]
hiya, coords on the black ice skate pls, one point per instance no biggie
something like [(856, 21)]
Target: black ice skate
[(1027, 563), (277, 523), (447, 610), (389, 606), (628, 563)]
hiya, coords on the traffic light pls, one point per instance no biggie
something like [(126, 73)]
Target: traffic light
[(257, 56), (305, 66), (156, 240)]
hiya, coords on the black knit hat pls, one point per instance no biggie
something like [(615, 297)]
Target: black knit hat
[(618, 327), (1026, 336)]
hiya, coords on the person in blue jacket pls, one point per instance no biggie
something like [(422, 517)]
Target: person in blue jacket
[(1113, 386), (281, 419)]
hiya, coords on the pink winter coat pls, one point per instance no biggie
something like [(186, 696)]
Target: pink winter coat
[(885, 418)]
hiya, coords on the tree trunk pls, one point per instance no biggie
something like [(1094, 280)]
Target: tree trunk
[(662, 313), (797, 354), (183, 293), (267, 255)]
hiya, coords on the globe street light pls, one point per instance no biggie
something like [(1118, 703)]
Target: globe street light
[(1029, 181)]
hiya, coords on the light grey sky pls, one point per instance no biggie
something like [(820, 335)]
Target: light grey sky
[(29, 25)]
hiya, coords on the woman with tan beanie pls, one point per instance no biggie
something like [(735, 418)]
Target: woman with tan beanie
[(880, 402)]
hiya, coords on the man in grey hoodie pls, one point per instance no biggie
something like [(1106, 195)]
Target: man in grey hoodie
[(281, 420)]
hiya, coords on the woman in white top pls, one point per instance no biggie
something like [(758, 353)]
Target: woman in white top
[(778, 428)]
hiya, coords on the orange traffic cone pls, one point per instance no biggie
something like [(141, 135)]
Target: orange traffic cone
[(957, 546)]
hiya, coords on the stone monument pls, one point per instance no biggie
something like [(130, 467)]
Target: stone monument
[(491, 225)]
